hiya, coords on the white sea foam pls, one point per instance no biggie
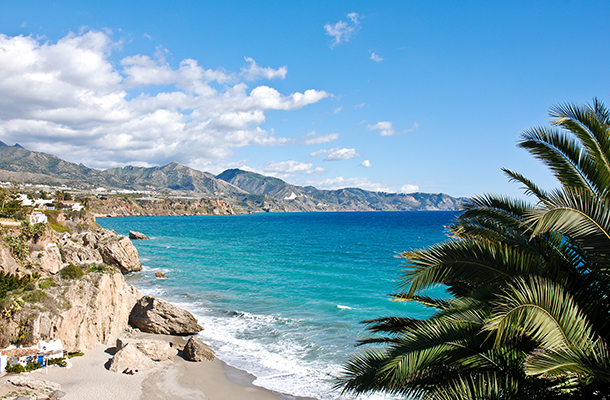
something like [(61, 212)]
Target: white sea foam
[(344, 307)]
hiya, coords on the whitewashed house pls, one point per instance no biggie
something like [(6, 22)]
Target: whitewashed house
[(38, 218), (40, 353)]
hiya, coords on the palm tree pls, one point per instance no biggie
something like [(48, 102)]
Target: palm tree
[(529, 315)]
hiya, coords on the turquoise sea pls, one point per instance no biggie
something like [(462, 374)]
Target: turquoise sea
[(281, 296)]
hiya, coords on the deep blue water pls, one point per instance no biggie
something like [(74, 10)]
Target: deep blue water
[(281, 295)]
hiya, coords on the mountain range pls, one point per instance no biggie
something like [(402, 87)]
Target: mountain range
[(246, 191)]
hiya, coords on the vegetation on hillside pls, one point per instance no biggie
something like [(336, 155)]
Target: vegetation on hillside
[(529, 312)]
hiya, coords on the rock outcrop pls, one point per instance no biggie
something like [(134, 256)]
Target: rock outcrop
[(99, 313), (49, 258), (8, 264), (33, 383), (129, 360), (83, 313), (133, 235), (156, 350), (122, 254), (154, 315), (196, 350)]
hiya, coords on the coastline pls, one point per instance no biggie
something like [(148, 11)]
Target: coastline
[(89, 379)]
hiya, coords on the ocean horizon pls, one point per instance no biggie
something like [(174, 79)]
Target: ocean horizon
[(282, 296)]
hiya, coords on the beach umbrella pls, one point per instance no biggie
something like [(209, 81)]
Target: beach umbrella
[(57, 394)]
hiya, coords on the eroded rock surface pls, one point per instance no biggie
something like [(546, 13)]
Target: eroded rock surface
[(137, 235), (156, 350), (154, 315), (8, 264), (49, 258), (130, 359), (33, 383), (196, 350), (122, 254)]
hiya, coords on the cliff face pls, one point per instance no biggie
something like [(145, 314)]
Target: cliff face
[(83, 311), (121, 206), (99, 311)]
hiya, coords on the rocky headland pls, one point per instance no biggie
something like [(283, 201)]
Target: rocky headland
[(74, 289)]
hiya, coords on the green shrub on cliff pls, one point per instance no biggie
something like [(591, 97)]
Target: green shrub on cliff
[(35, 231), (34, 296), (71, 271), (10, 282), (19, 247)]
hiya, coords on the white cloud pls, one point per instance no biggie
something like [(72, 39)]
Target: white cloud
[(354, 17), (284, 169), (366, 164), (70, 99), (409, 188), (376, 57), (357, 106), (340, 183), (385, 128), (343, 31), (147, 36), (254, 72), (314, 138), (338, 110), (336, 154), (412, 128)]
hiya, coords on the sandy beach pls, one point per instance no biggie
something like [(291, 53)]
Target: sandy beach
[(89, 379)]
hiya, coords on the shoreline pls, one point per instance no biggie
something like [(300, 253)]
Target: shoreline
[(90, 379)]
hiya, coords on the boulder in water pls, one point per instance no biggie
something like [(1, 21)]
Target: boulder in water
[(133, 235)]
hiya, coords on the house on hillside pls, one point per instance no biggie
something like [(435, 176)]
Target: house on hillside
[(38, 218), (41, 204), (73, 205), (25, 201), (41, 353)]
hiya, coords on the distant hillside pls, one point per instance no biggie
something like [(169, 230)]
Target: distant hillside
[(244, 191), (309, 198)]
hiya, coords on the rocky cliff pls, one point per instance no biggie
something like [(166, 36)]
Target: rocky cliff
[(76, 291), (122, 206)]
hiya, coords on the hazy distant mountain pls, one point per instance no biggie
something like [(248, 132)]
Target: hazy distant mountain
[(173, 176), (247, 191), (312, 199)]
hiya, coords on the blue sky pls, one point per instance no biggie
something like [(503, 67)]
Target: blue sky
[(396, 96)]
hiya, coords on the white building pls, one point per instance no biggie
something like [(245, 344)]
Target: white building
[(38, 218), (40, 353)]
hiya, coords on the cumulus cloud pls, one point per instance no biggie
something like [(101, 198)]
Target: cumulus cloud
[(314, 138), (409, 188), (385, 128), (366, 164), (342, 31), (340, 183), (336, 154), (253, 72), (285, 169), (376, 57), (68, 98)]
